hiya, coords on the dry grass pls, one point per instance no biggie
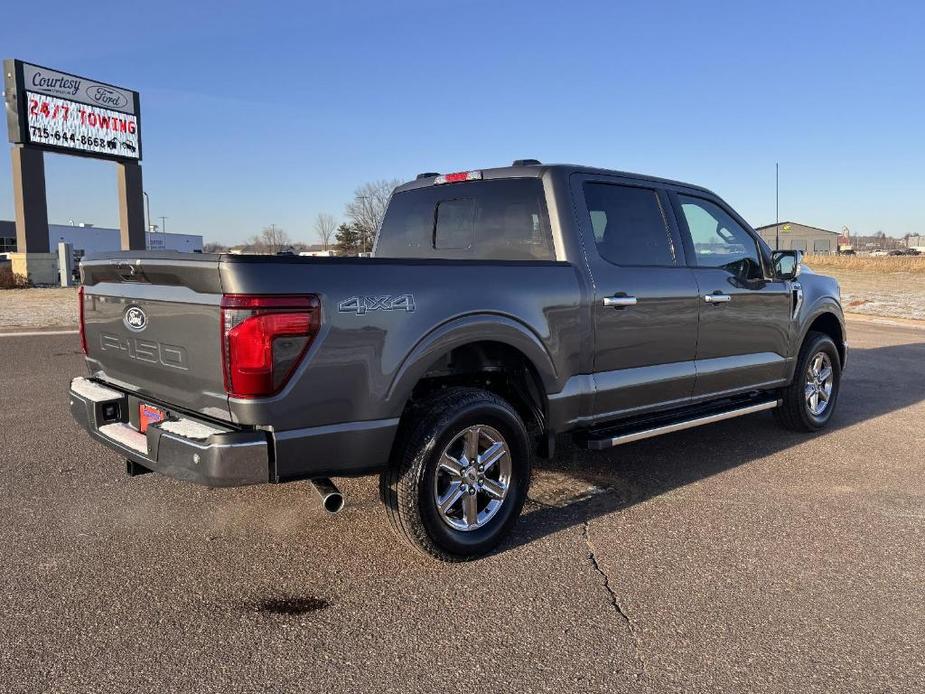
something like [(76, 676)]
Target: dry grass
[(885, 264), (27, 309), (9, 280), (892, 285), (897, 294)]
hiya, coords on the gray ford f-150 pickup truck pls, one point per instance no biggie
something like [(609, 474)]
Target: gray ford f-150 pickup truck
[(500, 308)]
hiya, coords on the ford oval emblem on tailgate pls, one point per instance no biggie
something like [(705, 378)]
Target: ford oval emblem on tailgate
[(135, 319)]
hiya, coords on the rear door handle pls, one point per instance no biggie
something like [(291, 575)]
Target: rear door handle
[(619, 301), (716, 298)]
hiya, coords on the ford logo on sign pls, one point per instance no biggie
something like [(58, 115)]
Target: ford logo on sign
[(107, 97), (135, 319)]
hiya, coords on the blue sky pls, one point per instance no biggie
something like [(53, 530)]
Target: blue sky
[(259, 113)]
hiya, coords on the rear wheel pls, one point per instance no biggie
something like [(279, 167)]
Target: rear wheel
[(460, 475), (808, 402)]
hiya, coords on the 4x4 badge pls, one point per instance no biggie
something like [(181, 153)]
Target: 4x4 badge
[(363, 304)]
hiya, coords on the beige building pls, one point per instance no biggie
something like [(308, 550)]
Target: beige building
[(800, 237)]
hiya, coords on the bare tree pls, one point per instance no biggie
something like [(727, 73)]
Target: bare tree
[(325, 227), (367, 209), (271, 240), (214, 247)]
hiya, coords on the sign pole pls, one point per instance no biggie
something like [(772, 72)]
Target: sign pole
[(33, 258), (131, 206), (29, 200)]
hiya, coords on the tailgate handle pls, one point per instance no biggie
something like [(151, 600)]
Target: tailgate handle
[(130, 272)]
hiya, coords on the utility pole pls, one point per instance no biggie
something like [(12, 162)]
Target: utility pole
[(777, 205), (163, 224), (365, 234), (148, 210)]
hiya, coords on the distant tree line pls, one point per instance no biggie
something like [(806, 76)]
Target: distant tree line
[(356, 235), (270, 241)]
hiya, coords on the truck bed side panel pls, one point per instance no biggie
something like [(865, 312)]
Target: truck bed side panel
[(376, 312)]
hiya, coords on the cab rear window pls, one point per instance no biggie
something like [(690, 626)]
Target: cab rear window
[(485, 220)]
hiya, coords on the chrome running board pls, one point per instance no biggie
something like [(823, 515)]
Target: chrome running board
[(604, 442)]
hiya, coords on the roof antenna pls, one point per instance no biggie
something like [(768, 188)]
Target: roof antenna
[(526, 162)]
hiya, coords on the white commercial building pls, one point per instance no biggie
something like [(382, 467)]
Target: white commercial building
[(99, 239), (86, 239)]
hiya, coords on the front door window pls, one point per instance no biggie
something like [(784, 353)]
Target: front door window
[(719, 241)]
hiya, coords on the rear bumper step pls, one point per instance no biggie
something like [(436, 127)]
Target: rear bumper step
[(617, 436)]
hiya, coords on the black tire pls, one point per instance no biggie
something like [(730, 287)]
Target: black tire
[(795, 412), (408, 487)]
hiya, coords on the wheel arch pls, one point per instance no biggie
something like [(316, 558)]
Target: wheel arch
[(827, 320), (494, 352)]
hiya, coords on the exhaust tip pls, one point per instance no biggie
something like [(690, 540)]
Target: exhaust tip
[(331, 498), (333, 502)]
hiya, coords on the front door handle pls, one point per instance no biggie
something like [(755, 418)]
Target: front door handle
[(619, 301), (716, 298)]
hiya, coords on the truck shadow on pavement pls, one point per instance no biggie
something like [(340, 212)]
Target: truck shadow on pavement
[(579, 485)]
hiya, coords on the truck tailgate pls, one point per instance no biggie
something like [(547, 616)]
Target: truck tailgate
[(153, 326)]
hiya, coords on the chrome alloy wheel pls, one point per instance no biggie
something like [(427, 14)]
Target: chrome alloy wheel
[(820, 379), (473, 478)]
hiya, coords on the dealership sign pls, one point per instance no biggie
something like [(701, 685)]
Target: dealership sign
[(67, 113)]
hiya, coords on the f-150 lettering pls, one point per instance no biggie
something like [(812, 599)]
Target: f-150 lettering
[(172, 356)]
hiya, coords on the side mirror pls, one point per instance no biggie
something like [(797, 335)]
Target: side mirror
[(786, 264)]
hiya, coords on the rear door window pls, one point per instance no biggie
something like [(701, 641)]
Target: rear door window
[(630, 226), (502, 219)]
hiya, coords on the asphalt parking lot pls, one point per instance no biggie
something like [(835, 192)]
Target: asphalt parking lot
[(736, 557)]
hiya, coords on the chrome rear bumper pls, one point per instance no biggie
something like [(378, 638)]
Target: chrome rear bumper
[(181, 447)]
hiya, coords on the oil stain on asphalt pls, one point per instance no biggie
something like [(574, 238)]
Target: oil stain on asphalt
[(289, 606)]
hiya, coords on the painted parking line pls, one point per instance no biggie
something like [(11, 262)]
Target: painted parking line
[(36, 333)]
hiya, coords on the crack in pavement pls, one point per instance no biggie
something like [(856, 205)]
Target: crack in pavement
[(614, 600)]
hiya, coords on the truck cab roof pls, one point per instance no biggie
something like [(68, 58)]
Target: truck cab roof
[(540, 170)]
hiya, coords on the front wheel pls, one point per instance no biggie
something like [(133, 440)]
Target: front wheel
[(460, 476), (809, 401)]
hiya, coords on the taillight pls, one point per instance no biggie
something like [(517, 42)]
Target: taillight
[(263, 340), (80, 319)]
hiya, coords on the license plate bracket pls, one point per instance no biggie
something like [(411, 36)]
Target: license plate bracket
[(148, 415)]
